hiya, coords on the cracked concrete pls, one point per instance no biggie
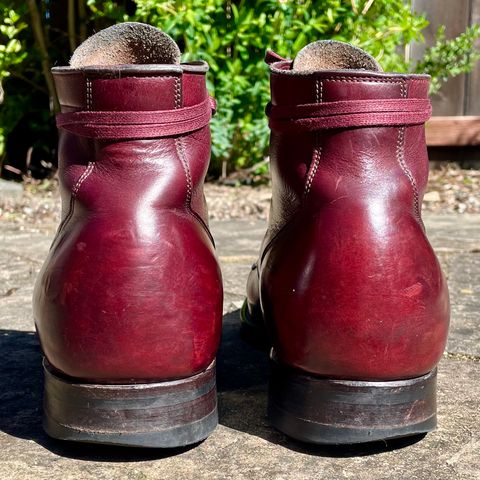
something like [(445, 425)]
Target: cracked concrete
[(244, 446)]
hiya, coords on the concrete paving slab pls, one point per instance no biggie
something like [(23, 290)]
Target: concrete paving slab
[(464, 284), (244, 446), (10, 190)]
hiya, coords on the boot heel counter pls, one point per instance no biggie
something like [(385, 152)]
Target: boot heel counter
[(111, 306), (335, 309)]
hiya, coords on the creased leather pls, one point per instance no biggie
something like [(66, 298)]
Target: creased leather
[(131, 290), (347, 281)]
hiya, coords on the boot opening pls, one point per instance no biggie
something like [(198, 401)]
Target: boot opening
[(126, 43), (334, 55)]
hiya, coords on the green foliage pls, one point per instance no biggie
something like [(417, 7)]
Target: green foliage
[(11, 53), (11, 48), (232, 37), (448, 58), (110, 10)]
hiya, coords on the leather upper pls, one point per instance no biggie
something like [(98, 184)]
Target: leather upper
[(347, 281), (131, 289)]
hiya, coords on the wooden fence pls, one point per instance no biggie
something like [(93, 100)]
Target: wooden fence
[(456, 108)]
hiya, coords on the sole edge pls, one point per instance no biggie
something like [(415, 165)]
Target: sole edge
[(336, 412), (153, 415)]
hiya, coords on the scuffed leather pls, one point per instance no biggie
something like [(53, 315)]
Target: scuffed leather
[(131, 290), (349, 285)]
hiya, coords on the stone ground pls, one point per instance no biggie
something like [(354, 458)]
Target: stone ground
[(243, 446)]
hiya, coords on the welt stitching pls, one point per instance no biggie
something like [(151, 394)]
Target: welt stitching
[(82, 178), (403, 165)]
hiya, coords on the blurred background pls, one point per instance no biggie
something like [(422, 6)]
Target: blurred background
[(438, 37)]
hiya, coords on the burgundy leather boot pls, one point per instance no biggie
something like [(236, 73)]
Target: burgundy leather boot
[(128, 304), (347, 284)]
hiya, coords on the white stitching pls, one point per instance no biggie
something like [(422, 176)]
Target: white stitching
[(317, 150), (149, 78), (178, 97), (110, 77), (183, 158), (318, 91), (363, 79), (314, 168), (141, 78), (354, 78), (418, 80), (82, 178), (405, 169), (71, 209), (403, 165), (89, 87), (89, 93), (179, 145)]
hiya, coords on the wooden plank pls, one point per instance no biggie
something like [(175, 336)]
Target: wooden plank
[(453, 131), (456, 16), (472, 98)]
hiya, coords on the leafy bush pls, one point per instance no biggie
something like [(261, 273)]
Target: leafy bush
[(448, 58), (232, 37), (12, 53)]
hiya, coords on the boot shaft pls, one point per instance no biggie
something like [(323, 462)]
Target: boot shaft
[(131, 289), (113, 155), (347, 281), (351, 136)]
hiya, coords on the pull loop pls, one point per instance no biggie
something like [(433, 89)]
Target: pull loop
[(272, 57), (138, 125), (349, 113)]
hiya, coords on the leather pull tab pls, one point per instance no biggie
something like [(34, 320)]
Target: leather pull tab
[(272, 57), (137, 124)]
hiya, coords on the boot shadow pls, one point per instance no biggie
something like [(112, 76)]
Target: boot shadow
[(21, 385), (21, 392), (242, 380)]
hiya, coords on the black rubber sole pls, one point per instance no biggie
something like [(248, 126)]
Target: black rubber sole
[(323, 411), (155, 415)]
